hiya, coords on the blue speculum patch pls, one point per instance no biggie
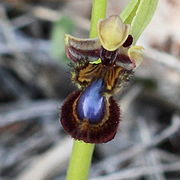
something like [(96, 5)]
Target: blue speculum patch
[(91, 103)]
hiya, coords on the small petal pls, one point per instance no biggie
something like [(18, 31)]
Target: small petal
[(78, 49), (125, 62), (82, 44), (135, 53), (112, 32)]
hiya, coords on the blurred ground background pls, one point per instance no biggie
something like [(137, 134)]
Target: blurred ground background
[(35, 79)]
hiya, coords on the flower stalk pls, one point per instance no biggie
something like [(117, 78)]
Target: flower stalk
[(80, 161), (82, 152)]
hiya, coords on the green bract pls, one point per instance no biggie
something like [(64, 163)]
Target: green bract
[(138, 14)]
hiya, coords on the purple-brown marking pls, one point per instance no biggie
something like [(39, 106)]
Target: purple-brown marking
[(100, 132)]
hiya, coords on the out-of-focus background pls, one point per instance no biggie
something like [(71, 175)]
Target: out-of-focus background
[(35, 79)]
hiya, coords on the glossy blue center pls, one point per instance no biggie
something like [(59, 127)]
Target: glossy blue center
[(91, 103)]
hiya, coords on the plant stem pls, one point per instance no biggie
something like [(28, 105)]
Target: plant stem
[(80, 161), (82, 152), (98, 12)]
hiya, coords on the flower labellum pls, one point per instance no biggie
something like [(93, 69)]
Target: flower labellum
[(102, 67), (89, 115)]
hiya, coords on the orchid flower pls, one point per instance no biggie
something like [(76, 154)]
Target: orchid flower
[(102, 66)]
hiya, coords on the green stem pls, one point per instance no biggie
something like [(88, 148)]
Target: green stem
[(98, 12), (80, 161), (82, 152)]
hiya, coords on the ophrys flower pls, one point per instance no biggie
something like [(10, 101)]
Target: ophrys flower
[(101, 68)]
